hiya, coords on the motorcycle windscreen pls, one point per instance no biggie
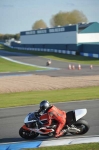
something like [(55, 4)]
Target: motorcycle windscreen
[(79, 113), (30, 118)]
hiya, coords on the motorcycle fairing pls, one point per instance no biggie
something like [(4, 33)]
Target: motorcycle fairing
[(42, 130), (79, 113)]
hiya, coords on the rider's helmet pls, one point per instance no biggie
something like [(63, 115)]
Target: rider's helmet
[(44, 105)]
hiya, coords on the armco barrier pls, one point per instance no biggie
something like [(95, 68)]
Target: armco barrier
[(56, 142)]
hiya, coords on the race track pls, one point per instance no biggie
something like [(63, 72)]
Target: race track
[(11, 119), (40, 61)]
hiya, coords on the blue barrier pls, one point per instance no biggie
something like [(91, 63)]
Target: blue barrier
[(90, 55), (20, 145), (61, 51), (46, 50)]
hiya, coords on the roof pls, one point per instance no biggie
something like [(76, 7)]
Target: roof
[(92, 27)]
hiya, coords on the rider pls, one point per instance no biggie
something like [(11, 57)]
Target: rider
[(56, 114)]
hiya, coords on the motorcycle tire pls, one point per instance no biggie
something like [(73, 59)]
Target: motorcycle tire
[(83, 126), (47, 64), (26, 134)]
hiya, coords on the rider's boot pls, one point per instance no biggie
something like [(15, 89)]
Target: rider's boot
[(60, 134)]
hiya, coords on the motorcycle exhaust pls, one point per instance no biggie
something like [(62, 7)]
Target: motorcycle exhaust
[(72, 129)]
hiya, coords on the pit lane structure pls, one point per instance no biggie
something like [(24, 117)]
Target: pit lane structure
[(70, 39)]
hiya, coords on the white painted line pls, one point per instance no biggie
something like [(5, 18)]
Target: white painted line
[(22, 71), (5, 72), (27, 63), (79, 101), (65, 139), (52, 103), (69, 141), (12, 142), (55, 142)]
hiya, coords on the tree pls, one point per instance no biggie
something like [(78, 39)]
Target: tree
[(16, 36), (1, 37), (9, 36), (39, 24), (64, 18)]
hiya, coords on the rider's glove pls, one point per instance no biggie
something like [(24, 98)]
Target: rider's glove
[(48, 127)]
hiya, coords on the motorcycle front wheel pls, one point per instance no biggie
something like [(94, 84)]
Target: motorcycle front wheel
[(27, 134), (83, 126)]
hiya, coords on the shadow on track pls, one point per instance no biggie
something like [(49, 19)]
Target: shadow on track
[(40, 138), (14, 139)]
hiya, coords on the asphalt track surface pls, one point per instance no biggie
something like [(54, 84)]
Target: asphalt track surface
[(40, 61), (11, 119)]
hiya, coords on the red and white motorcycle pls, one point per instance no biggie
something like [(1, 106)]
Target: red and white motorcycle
[(33, 124)]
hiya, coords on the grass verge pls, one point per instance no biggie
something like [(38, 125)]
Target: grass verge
[(56, 56), (8, 66), (90, 146), (35, 97)]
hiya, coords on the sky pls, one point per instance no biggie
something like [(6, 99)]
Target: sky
[(20, 15)]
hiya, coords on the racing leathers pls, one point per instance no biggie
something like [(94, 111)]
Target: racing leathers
[(58, 115)]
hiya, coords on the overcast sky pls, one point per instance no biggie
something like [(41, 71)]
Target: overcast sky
[(20, 15)]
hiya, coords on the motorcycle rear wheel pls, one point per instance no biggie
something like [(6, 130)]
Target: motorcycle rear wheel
[(26, 134), (83, 126)]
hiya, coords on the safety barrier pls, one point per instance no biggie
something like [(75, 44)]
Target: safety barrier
[(90, 55), (46, 50), (56, 51)]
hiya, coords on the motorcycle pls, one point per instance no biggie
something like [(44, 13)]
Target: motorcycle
[(48, 63), (33, 124)]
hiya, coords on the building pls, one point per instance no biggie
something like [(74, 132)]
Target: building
[(71, 39)]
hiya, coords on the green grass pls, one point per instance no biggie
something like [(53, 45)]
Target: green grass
[(8, 66), (90, 146), (56, 56), (35, 97)]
